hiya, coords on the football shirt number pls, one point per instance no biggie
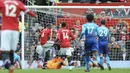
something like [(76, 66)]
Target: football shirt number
[(90, 30), (10, 10), (42, 34), (103, 32), (65, 35)]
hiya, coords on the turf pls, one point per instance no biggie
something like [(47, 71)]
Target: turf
[(67, 71)]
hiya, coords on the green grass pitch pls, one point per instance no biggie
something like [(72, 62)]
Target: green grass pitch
[(67, 71)]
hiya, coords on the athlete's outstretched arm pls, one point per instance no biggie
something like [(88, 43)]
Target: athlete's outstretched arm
[(26, 10), (83, 32)]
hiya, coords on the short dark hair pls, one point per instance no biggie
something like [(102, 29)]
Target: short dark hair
[(63, 24), (49, 26), (90, 17), (103, 22)]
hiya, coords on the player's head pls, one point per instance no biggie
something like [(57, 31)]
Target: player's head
[(48, 26), (63, 24), (90, 18), (103, 22)]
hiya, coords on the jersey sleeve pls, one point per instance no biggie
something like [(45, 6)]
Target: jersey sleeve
[(98, 29), (58, 36), (1, 3), (25, 10), (82, 32)]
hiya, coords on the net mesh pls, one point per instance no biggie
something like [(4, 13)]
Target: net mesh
[(117, 21)]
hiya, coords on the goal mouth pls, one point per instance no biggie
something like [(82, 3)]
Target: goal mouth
[(75, 16)]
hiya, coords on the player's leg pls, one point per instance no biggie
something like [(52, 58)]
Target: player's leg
[(87, 55), (69, 56), (46, 56), (123, 49), (106, 54), (62, 53), (17, 59), (5, 47), (47, 47), (65, 54), (95, 50), (101, 53), (87, 61), (14, 43)]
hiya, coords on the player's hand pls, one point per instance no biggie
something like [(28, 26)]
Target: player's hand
[(36, 16)]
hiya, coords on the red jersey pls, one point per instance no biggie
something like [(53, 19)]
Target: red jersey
[(65, 36), (44, 35), (10, 13)]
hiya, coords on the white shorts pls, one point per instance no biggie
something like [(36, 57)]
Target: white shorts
[(66, 51), (48, 44), (9, 40)]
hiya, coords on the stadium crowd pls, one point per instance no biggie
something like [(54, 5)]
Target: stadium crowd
[(120, 36), (119, 31)]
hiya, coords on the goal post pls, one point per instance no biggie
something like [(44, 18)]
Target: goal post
[(22, 39), (54, 15)]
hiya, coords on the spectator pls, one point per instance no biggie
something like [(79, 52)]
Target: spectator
[(103, 16), (51, 2), (121, 26), (125, 35), (108, 12), (78, 28), (122, 44), (89, 11), (113, 43)]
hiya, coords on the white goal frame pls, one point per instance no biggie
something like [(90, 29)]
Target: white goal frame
[(74, 7)]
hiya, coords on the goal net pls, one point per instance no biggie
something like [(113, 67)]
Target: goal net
[(117, 20)]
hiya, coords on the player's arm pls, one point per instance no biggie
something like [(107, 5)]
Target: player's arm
[(97, 31), (50, 34), (39, 36), (57, 41), (1, 3), (27, 11), (82, 32), (72, 36)]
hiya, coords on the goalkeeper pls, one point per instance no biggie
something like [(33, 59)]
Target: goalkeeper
[(55, 63)]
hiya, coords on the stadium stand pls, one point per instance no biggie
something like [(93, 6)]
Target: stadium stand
[(70, 16)]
